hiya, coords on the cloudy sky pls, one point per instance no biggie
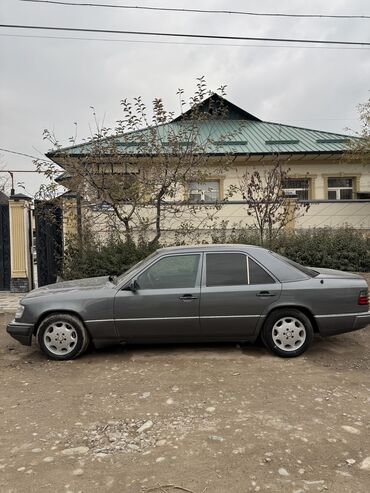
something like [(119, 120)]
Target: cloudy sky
[(50, 82)]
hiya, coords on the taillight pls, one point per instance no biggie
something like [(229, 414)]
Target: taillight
[(363, 298)]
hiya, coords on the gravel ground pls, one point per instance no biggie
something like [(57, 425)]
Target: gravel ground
[(215, 419)]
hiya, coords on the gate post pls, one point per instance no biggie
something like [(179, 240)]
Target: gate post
[(71, 216), (20, 251)]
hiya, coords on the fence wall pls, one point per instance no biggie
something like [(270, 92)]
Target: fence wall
[(334, 214)]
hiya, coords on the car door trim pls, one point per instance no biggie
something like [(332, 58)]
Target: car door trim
[(340, 315), (231, 316), (170, 318)]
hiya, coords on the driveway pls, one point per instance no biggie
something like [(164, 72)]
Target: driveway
[(213, 419)]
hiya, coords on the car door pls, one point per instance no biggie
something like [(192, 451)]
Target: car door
[(165, 305), (235, 291)]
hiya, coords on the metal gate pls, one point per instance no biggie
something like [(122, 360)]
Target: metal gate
[(4, 248), (49, 241)]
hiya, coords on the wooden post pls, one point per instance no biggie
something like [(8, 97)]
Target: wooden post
[(20, 248), (291, 208)]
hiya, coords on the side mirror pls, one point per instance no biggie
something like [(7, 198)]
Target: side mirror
[(134, 286)]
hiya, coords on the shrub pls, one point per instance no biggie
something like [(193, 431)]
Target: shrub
[(345, 248), (90, 257)]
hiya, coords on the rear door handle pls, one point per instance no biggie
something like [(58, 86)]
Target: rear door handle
[(265, 294), (188, 297)]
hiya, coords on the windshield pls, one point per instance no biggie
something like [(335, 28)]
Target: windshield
[(306, 270), (134, 268)]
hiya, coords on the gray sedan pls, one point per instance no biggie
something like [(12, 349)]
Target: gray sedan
[(196, 294)]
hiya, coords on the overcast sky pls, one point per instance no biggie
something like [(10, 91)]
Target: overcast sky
[(52, 83)]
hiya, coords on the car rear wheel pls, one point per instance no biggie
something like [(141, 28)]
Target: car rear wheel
[(287, 332), (62, 336)]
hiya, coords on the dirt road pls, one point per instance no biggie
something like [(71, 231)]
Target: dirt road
[(214, 419)]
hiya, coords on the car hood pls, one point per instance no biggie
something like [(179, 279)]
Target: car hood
[(335, 274), (65, 286)]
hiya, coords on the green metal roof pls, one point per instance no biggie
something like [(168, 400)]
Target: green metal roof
[(242, 133)]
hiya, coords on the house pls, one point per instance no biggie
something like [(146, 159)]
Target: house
[(234, 141)]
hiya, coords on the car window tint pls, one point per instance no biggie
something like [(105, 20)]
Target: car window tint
[(226, 269), (178, 271), (257, 275)]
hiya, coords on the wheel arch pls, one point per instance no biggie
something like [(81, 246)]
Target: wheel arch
[(55, 312), (306, 311)]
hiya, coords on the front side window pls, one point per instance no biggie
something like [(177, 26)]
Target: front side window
[(208, 191), (178, 271), (298, 186), (340, 188), (234, 269)]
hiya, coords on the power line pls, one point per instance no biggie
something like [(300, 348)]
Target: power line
[(183, 43), (201, 11), (187, 35), (18, 171), (18, 153)]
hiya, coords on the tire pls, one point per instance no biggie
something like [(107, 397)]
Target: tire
[(287, 332), (62, 336)]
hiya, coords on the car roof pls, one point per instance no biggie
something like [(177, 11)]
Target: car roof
[(281, 269), (209, 248)]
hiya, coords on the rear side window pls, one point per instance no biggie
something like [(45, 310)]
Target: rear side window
[(306, 270), (226, 269), (257, 275)]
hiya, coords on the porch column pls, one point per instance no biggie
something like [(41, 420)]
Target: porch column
[(20, 243)]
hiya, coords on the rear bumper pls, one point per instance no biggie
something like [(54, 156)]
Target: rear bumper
[(362, 321), (21, 332), (339, 324)]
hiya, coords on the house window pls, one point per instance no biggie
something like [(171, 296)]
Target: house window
[(209, 191), (340, 188), (299, 186)]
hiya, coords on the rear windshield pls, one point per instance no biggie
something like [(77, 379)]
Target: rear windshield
[(306, 270)]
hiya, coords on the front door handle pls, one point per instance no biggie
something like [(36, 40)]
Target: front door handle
[(265, 294), (188, 297)]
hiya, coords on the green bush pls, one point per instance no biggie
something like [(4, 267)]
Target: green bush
[(90, 257), (345, 248)]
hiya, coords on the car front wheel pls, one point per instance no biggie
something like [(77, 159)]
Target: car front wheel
[(287, 332), (62, 336)]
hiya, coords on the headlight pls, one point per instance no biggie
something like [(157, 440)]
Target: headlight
[(19, 312)]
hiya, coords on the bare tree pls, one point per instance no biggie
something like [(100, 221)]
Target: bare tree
[(266, 203), (359, 148), (140, 170)]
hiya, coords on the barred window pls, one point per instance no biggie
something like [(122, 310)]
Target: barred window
[(208, 191), (299, 186)]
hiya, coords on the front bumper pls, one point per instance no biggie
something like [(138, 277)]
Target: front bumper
[(21, 332)]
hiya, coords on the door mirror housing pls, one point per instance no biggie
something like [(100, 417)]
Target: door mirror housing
[(134, 286)]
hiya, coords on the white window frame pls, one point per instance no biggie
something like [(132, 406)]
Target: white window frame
[(337, 190)]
